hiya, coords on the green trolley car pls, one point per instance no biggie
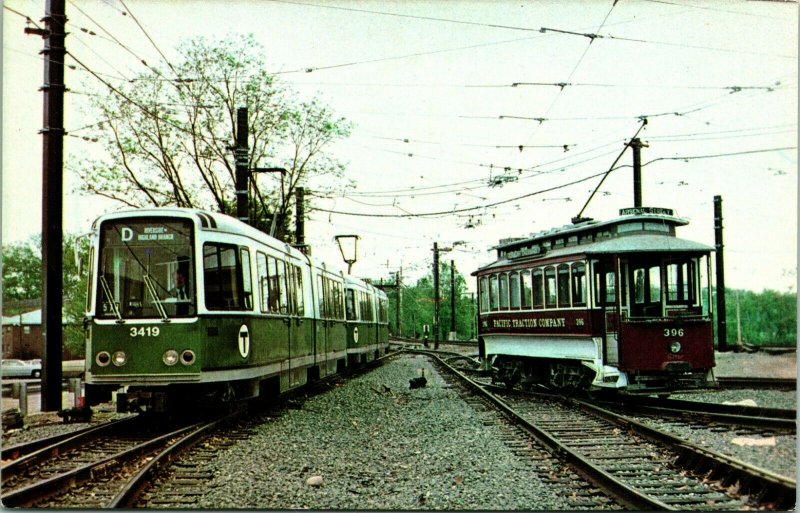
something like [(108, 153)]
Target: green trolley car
[(187, 308)]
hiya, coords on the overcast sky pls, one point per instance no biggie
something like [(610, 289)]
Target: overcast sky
[(438, 124)]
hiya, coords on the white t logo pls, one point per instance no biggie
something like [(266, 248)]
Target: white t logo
[(244, 341)]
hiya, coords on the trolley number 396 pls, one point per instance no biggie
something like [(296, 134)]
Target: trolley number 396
[(149, 331), (673, 332)]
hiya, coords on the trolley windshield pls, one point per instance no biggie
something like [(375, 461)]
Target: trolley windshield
[(146, 269)]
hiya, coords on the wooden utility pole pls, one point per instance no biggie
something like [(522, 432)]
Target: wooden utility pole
[(54, 34)]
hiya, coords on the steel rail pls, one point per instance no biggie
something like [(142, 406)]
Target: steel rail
[(28, 495), (752, 416), (757, 383), (756, 480), (31, 453), (626, 495)]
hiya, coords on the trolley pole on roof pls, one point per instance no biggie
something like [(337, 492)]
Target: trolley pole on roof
[(637, 146), (722, 328), (242, 172), (54, 34)]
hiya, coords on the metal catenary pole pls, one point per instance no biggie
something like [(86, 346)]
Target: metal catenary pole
[(242, 171), (436, 295), (398, 289), (53, 89), (722, 328), (452, 300)]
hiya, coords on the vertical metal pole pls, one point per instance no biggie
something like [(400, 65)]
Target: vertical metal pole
[(636, 144), (722, 328), (474, 315), (300, 222), (436, 295), (452, 300), (23, 399), (242, 173), (398, 289), (52, 201)]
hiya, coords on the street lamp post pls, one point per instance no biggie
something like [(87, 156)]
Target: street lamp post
[(348, 245)]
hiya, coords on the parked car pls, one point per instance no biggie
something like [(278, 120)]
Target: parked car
[(21, 369)]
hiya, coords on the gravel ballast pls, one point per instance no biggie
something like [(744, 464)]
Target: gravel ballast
[(375, 448)]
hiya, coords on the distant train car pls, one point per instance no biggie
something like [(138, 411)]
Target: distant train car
[(188, 307), (615, 305), (367, 317)]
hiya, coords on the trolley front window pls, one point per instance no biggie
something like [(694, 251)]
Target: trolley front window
[(146, 269)]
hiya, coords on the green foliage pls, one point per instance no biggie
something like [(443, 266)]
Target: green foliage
[(418, 306), (22, 280), (22, 271), (768, 318), (168, 133)]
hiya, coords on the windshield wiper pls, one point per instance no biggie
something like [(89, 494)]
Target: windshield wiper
[(107, 291), (149, 283)]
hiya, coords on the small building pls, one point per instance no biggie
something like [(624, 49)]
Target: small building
[(22, 336)]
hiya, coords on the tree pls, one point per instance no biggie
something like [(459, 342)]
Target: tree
[(418, 301), (22, 280), (169, 134), (22, 270)]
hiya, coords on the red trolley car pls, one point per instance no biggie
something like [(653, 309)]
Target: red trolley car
[(620, 304)]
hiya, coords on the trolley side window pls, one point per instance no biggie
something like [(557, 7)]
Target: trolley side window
[(538, 288), (323, 313), (263, 281), (604, 287), (525, 289), (222, 271), (484, 294), (300, 307), (503, 291), (273, 288), (494, 295), (247, 285), (350, 304), (563, 286), (550, 287), (578, 284), (514, 292)]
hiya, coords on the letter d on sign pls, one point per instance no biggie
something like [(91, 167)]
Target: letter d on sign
[(126, 235)]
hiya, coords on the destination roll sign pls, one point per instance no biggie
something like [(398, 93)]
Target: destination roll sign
[(632, 211)]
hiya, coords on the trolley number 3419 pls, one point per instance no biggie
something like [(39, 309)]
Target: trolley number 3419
[(149, 331)]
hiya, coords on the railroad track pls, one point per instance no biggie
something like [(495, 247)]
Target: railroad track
[(641, 468), (758, 383), (93, 467), (762, 421)]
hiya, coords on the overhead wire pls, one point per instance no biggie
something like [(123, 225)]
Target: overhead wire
[(549, 189)]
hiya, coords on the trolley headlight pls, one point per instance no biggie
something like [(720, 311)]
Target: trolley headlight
[(170, 357), (103, 358), (119, 358), (674, 347), (187, 357)]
